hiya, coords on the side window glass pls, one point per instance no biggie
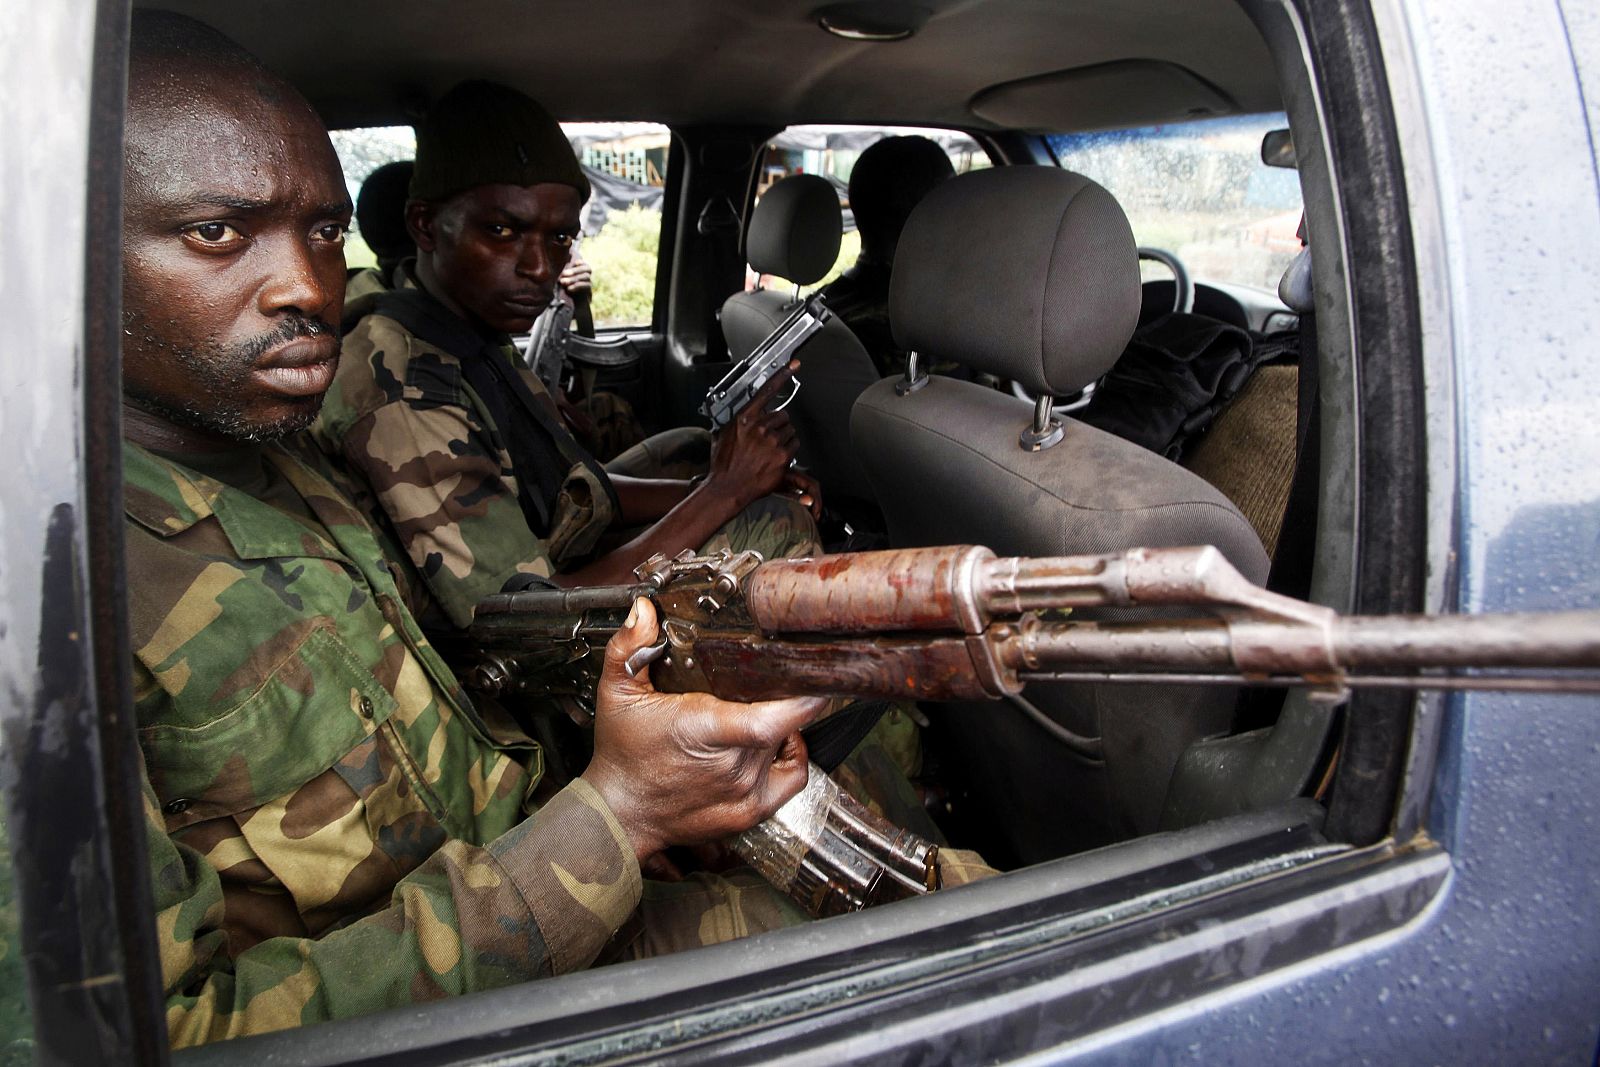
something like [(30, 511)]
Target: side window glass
[(360, 153), (832, 152), (626, 164), (16, 1025)]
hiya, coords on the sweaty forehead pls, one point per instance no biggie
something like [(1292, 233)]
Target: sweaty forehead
[(550, 203), (191, 129)]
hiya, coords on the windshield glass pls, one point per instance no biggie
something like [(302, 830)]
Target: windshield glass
[(1199, 190)]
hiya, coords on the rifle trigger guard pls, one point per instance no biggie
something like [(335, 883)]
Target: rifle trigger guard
[(645, 656)]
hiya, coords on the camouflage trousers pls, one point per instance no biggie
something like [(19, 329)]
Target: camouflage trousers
[(708, 909), (610, 426), (778, 527), (705, 909), (614, 435)]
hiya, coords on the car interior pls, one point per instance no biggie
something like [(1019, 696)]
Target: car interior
[(1040, 337)]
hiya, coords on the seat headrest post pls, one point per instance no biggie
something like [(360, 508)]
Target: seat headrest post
[(1026, 272), (1046, 430), (915, 377)]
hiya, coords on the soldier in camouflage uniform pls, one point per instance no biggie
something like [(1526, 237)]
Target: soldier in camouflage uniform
[(332, 826), (486, 493), (603, 422), (483, 488)]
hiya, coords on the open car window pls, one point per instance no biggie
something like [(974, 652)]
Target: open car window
[(626, 164), (362, 151)]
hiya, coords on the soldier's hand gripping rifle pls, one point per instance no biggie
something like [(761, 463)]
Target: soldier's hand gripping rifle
[(956, 623)]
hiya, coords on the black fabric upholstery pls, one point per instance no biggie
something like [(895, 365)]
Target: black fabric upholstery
[(794, 230), (1030, 273), (1093, 492), (834, 369), (946, 468)]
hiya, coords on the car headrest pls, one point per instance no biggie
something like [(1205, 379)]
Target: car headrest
[(794, 230), (1027, 272)]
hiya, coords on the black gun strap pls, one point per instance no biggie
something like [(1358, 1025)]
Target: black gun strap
[(533, 434), (835, 737)]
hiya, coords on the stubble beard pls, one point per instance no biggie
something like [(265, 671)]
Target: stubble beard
[(221, 375)]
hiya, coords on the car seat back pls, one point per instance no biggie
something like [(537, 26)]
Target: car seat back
[(794, 234), (1030, 274)]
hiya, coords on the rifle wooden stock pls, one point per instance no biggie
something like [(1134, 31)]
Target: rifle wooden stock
[(958, 623)]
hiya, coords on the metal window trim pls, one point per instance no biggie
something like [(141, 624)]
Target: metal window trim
[(69, 760), (995, 971)]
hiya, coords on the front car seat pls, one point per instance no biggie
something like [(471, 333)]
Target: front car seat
[(1030, 274), (794, 234)]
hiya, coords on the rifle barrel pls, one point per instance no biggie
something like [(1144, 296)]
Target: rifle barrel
[(1544, 683), (1186, 648)]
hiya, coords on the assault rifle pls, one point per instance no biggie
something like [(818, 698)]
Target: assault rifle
[(556, 353), (957, 623), (546, 353)]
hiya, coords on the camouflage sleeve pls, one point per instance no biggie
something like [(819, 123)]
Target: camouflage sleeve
[(455, 513), (540, 900)]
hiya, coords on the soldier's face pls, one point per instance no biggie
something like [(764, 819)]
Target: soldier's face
[(233, 261), (497, 250)]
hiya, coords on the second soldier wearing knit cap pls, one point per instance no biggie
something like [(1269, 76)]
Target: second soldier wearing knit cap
[(483, 133), (460, 443)]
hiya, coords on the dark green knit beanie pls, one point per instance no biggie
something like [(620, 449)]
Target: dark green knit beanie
[(482, 133)]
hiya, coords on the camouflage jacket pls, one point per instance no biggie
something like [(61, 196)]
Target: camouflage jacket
[(333, 828), (402, 415)]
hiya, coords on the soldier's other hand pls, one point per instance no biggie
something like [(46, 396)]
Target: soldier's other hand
[(685, 768), (805, 489), (751, 454), (576, 277)]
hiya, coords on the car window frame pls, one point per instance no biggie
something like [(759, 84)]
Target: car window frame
[(71, 769), (126, 1000)]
